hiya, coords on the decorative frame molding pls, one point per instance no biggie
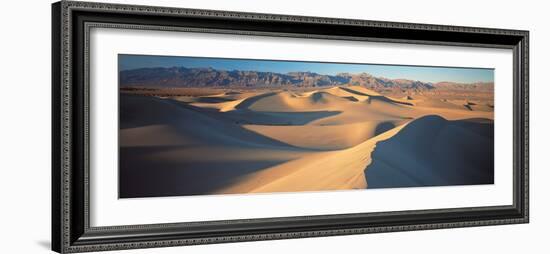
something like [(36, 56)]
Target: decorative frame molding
[(71, 22)]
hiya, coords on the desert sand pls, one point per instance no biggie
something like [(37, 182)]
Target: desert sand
[(276, 140)]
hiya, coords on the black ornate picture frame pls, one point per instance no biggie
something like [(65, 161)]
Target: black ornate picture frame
[(71, 230)]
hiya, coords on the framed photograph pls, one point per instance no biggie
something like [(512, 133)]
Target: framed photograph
[(181, 126)]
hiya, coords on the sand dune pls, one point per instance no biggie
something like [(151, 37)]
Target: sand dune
[(330, 137), (179, 120), (433, 151), (437, 103), (277, 140), (335, 170), (169, 149), (348, 100), (346, 93), (422, 161), (285, 101), (361, 91)]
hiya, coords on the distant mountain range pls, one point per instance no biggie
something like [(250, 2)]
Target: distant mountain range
[(209, 77)]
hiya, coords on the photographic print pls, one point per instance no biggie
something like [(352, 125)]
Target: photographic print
[(175, 126), (204, 126)]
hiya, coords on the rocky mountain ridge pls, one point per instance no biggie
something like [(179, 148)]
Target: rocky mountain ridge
[(209, 77)]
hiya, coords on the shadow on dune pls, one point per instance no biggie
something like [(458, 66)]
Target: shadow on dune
[(142, 174), (376, 97), (320, 97), (350, 98), (272, 118), (141, 111), (245, 104), (432, 151), (212, 99), (383, 127), (353, 91)]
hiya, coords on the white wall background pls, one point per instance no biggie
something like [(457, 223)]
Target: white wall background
[(25, 125)]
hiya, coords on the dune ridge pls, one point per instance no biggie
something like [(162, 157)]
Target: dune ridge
[(335, 170), (434, 151)]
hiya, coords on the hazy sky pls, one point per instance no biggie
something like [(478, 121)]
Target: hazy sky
[(421, 73)]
